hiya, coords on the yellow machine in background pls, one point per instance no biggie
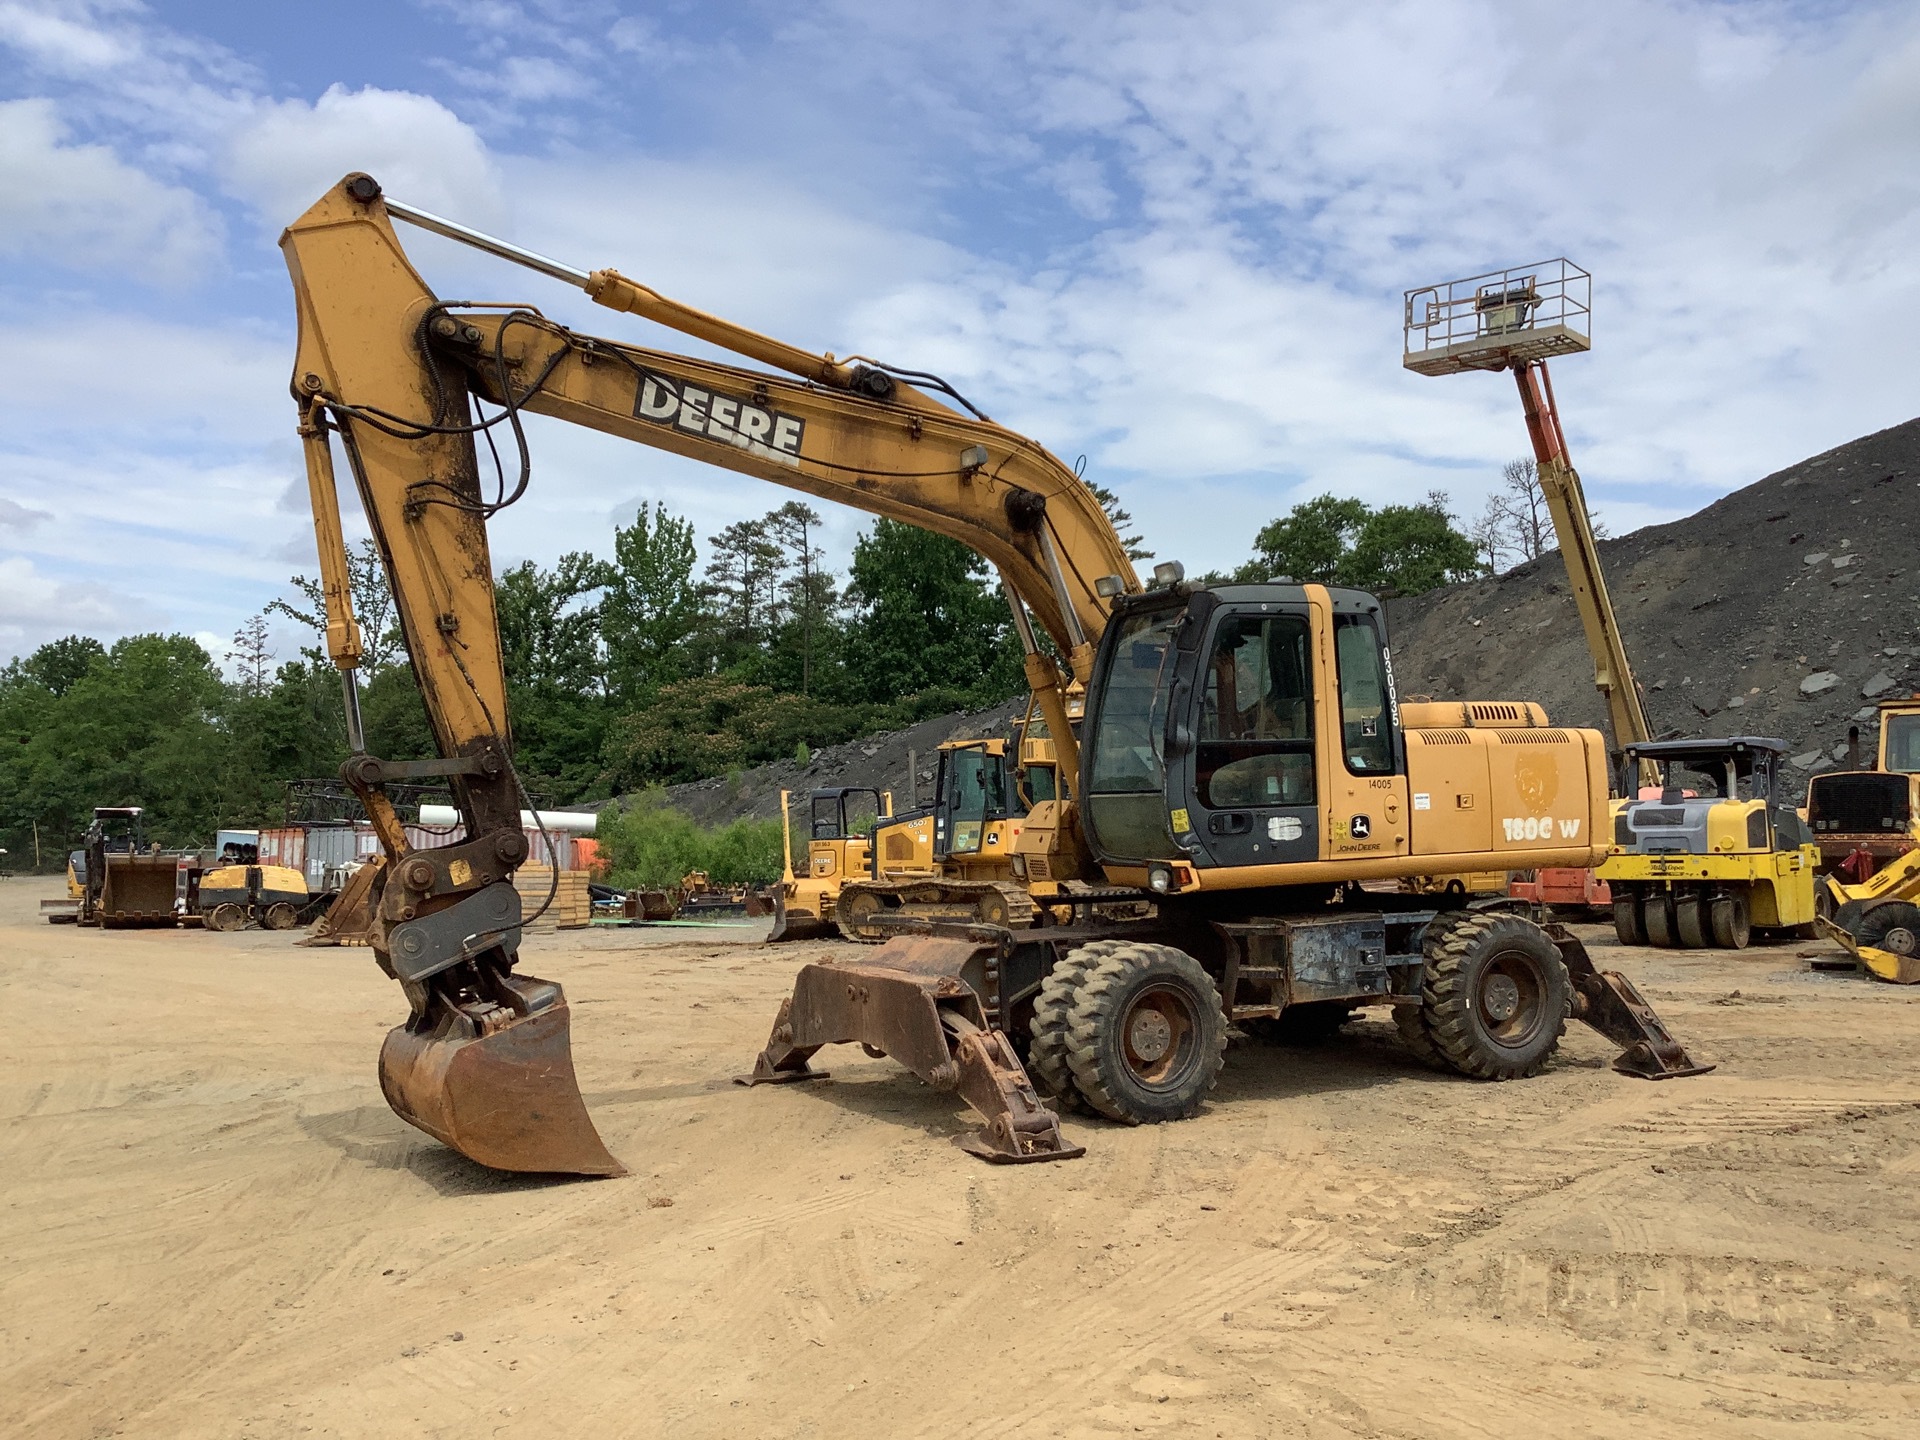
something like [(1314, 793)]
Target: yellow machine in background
[(1863, 819), (840, 825), (232, 897), (1715, 855)]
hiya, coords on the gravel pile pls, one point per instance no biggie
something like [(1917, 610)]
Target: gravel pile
[(1784, 609)]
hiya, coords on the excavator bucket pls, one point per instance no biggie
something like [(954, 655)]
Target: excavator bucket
[(349, 919), (498, 1085)]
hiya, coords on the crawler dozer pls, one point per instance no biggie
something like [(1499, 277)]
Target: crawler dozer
[(1244, 766)]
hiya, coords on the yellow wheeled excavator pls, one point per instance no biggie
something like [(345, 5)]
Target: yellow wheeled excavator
[(1245, 763)]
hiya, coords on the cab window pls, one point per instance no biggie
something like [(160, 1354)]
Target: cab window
[(1366, 717), (1256, 719), (1903, 743)]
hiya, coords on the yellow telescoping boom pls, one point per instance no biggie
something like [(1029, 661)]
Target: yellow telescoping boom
[(1245, 763)]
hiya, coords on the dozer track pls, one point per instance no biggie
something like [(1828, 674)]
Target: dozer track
[(864, 906)]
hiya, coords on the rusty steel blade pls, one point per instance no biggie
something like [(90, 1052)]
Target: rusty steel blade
[(507, 1099)]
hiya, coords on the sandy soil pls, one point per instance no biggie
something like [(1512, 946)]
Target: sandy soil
[(212, 1226)]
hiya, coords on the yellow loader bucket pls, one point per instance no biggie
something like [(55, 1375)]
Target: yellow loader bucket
[(495, 1081)]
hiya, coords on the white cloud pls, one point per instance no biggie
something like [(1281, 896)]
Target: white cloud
[(21, 518), (35, 608), (81, 206), (289, 152), (61, 42)]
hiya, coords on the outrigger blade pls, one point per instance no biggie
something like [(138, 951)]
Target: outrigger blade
[(496, 1082)]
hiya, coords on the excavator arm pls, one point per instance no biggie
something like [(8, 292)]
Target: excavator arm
[(483, 1062)]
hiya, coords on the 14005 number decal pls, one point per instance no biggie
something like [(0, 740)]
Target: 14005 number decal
[(1539, 827)]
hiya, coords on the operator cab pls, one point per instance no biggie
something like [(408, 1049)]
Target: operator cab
[(1698, 777), (844, 813), (1220, 728)]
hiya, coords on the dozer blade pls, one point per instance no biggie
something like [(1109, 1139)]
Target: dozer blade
[(789, 925), (505, 1097)]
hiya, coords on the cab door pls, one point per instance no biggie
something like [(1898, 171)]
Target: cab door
[(1250, 782), (1362, 765)]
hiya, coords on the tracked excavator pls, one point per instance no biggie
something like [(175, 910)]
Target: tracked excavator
[(1246, 763)]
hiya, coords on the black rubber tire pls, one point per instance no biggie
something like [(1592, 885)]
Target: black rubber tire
[(1314, 1022), (1411, 1020), (1691, 921), (1629, 925), (1125, 1000), (1486, 964), (1731, 921), (1893, 927), (1052, 1012), (1656, 913)]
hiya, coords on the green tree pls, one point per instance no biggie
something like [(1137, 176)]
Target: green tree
[(1335, 540), (549, 639), (373, 608), (1121, 521), (741, 589), (58, 663), (651, 608), (926, 616), (1308, 544), (1409, 549)]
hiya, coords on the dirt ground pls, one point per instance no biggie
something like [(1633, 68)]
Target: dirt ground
[(213, 1226)]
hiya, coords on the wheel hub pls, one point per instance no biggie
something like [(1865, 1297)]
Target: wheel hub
[(1500, 999), (1149, 1036), (1900, 941)]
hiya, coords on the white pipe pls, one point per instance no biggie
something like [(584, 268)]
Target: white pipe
[(566, 822)]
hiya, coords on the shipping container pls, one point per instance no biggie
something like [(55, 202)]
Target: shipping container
[(285, 845)]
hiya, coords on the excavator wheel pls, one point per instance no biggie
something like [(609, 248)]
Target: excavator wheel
[(1691, 921), (1657, 910), (227, 918), (1052, 1009), (1496, 997), (1629, 923), (1730, 920), (280, 916), (1146, 1036), (1411, 1020)]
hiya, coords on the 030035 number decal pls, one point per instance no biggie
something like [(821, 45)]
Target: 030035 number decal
[(1539, 827)]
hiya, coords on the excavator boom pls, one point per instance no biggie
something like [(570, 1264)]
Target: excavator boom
[(394, 372)]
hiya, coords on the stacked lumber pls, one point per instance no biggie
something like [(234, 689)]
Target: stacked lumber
[(572, 907)]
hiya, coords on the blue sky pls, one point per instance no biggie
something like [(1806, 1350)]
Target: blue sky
[(1170, 237)]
